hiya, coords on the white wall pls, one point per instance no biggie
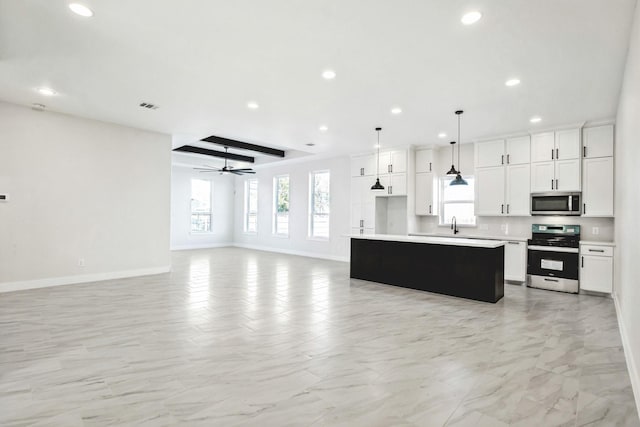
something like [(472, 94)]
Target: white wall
[(80, 189), (627, 200), (222, 210), (298, 242)]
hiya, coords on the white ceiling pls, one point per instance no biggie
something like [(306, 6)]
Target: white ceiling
[(201, 61)]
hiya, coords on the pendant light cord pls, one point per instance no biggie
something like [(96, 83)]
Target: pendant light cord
[(459, 142), (378, 159)]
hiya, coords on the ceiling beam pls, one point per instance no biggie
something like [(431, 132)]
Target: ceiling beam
[(243, 145), (222, 154)]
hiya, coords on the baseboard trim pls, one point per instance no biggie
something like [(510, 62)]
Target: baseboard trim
[(200, 246), (81, 278), (292, 252), (629, 356)]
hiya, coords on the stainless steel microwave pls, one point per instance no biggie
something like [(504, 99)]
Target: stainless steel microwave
[(556, 203)]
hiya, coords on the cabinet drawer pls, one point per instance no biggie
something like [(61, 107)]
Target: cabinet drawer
[(596, 250)]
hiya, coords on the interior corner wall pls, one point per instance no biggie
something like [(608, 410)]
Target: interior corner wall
[(88, 200), (627, 206), (298, 243), (222, 210)]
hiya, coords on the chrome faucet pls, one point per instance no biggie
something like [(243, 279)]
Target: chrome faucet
[(454, 225)]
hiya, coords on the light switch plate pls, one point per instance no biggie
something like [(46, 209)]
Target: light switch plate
[(595, 230)]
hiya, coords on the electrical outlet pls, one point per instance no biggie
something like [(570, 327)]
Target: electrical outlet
[(595, 230), (80, 262), (503, 227)]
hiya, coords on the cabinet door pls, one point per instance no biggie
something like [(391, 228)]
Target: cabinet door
[(356, 215), (384, 162), (596, 273), (518, 150), (568, 175), (369, 214), (356, 189), (369, 164), (542, 147), (568, 144), (398, 184), (356, 166), (518, 191), (515, 261), (424, 194), (542, 177), (424, 161), (490, 185), (398, 161), (597, 142), (490, 153), (597, 187)]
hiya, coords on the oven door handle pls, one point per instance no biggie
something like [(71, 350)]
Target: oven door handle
[(553, 249)]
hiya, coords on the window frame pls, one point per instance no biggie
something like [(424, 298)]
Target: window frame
[(312, 213), (275, 198), (247, 212), (191, 211), (444, 182)]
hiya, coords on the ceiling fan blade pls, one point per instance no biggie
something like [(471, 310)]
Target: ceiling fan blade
[(243, 169), (205, 169), (235, 172)]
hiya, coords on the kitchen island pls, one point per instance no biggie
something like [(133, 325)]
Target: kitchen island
[(460, 267)]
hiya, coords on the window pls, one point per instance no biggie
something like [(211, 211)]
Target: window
[(319, 204), (251, 206), (200, 206), (281, 205), (458, 201)]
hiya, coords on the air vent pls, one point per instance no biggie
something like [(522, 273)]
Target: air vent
[(148, 106), (311, 144), (38, 107)]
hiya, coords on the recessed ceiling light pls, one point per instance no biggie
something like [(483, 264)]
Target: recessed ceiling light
[(442, 135), (80, 9), (396, 110), (252, 105), (535, 119), (46, 91), (329, 74), (512, 82), (471, 17), (323, 128)]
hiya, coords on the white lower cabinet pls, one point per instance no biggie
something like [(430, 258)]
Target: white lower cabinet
[(425, 202), (596, 268), (515, 261)]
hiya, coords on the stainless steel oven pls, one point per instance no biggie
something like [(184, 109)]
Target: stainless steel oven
[(553, 257), (556, 203)]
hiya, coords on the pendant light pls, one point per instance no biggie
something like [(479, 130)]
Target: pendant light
[(377, 186), (453, 170), (459, 180)]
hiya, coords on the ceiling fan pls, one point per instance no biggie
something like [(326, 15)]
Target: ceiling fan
[(226, 168)]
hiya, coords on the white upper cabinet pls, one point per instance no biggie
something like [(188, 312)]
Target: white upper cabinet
[(597, 142), (394, 184), (543, 177), (490, 186), (567, 175), (364, 165), (559, 145), (518, 150), (517, 195), (597, 187), (424, 161), (543, 147), (567, 144), (425, 201), (512, 151), (393, 161), (490, 153)]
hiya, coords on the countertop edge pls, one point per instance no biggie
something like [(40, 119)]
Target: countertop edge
[(433, 240)]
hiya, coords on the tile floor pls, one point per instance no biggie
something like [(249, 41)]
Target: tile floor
[(234, 337)]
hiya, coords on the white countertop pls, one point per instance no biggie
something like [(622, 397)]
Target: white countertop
[(505, 238), (594, 243), (433, 240)]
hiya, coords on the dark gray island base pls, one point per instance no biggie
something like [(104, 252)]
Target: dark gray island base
[(474, 272)]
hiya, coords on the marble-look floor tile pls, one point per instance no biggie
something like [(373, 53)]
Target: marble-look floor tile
[(235, 337)]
